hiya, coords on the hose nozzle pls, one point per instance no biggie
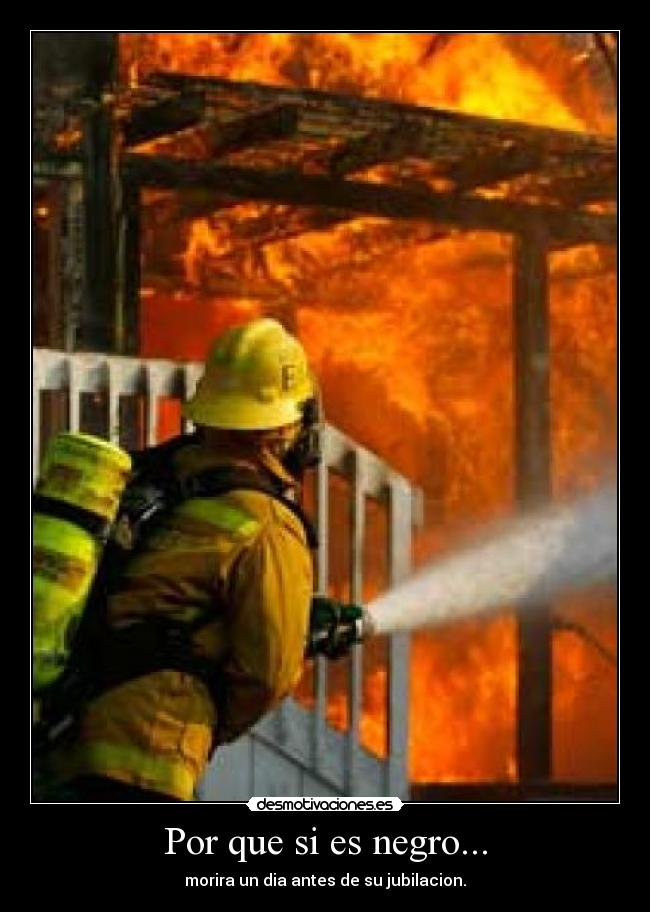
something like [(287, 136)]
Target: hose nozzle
[(334, 628)]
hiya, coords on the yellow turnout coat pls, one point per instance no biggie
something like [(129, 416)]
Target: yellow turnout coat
[(241, 562)]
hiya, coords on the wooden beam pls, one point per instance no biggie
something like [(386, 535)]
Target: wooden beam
[(277, 122), (495, 166), (532, 489), (377, 147), (338, 109), (163, 118), (471, 213), (590, 188)]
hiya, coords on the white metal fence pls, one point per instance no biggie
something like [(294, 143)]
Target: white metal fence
[(295, 750)]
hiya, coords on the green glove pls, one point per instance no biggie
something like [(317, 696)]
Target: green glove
[(333, 627)]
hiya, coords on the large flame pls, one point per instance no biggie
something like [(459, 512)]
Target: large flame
[(412, 340)]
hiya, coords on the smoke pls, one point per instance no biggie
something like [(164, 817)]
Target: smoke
[(532, 560)]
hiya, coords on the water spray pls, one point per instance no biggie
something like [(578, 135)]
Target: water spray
[(528, 562)]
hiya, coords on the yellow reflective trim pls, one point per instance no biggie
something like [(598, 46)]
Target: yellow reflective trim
[(64, 537), (224, 516), (141, 768)]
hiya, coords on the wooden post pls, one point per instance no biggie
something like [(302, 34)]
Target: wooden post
[(49, 305), (97, 319), (322, 586), (355, 659), (400, 507), (127, 306), (533, 487)]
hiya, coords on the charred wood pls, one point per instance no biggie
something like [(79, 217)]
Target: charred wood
[(164, 117), (495, 166), (377, 147), (274, 123), (465, 131), (372, 199), (533, 488), (606, 44)]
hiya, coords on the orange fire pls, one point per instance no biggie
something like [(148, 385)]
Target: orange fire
[(418, 331)]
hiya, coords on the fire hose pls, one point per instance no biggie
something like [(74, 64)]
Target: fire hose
[(334, 627)]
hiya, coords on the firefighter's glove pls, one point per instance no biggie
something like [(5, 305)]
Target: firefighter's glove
[(333, 628)]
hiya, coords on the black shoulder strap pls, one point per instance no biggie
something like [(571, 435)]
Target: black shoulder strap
[(155, 463), (96, 525), (225, 479)]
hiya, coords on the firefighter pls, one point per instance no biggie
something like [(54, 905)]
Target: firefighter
[(206, 628)]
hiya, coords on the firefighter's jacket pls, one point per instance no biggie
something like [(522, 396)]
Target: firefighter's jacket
[(242, 562)]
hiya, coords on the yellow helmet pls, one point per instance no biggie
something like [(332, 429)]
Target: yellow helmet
[(256, 378)]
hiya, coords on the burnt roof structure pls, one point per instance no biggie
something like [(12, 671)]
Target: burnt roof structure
[(357, 156)]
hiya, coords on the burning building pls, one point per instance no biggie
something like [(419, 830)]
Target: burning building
[(433, 215)]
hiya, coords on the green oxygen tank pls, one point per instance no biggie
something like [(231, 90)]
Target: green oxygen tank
[(76, 501)]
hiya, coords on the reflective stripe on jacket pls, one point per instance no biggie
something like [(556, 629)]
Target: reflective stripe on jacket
[(239, 561)]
